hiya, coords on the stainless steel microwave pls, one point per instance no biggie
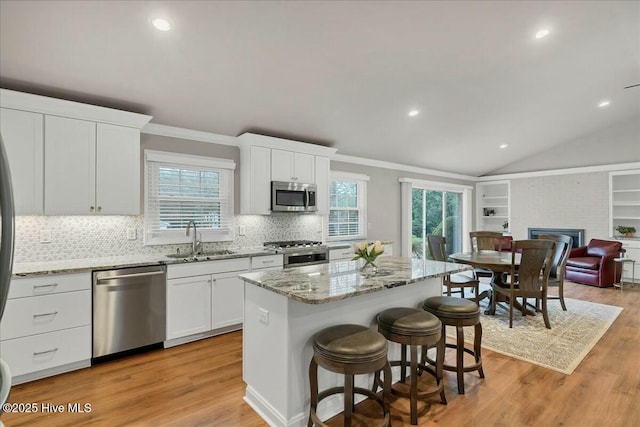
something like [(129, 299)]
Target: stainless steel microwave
[(293, 197)]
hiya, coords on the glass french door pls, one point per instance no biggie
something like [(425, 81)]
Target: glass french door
[(435, 212)]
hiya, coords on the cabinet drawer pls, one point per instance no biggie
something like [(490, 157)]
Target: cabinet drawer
[(266, 261), (44, 351), (200, 268), (341, 253), (47, 313), (48, 284)]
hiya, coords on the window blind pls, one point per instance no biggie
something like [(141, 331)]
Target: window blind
[(177, 193)]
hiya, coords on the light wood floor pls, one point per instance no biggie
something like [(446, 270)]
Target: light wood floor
[(200, 384)]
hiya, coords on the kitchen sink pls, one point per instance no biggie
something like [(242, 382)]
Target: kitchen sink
[(201, 255)]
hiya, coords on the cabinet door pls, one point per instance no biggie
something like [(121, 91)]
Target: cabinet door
[(69, 166), (304, 168), (22, 133), (257, 199), (188, 306), (282, 165), (117, 170), (227, 300)]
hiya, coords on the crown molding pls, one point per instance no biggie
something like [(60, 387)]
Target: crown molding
[(192, 135), (567, 171), (247, 139), (399, 167), (59, 107)]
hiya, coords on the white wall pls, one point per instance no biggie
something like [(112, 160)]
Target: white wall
[(617, 144), (561, 201)]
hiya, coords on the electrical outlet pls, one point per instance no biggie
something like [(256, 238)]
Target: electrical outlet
[(263, 316), (242, 230), (45, 236), (131, 234)]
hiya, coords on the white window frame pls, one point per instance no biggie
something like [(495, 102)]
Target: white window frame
[(408, 184), (178, 235), (361, 181)]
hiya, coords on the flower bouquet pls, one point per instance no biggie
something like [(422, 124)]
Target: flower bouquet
[(368, 253)]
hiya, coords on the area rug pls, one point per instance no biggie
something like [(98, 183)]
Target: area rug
[(572, 335)]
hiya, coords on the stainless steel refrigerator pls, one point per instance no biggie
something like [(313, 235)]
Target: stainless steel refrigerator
[(6, 256)]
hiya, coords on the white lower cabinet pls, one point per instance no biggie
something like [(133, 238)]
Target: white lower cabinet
[(46, 326), (341, 253), (227, 300), (207, 298), (188, 306), (204, 298)]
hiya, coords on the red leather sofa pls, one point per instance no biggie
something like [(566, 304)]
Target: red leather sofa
[(593, 264)]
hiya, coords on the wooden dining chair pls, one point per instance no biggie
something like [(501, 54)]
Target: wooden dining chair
[(530, 278), (558, 265), (438, 250), (485, 241)]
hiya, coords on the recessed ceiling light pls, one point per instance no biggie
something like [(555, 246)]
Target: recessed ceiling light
[(413, 113), (542, 33), (161, 24), (604, 103), (504, 145)]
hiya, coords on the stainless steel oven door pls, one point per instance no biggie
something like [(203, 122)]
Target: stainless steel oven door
[(302, 257)]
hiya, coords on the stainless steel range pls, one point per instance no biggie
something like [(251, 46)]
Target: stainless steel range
[(301, 252)]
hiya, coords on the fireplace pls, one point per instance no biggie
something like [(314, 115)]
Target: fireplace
[(576, 233)]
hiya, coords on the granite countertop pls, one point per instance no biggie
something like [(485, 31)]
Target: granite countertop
[(105, 263), (337, 280)]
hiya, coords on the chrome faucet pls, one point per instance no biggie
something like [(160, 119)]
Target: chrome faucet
[(195, 243)]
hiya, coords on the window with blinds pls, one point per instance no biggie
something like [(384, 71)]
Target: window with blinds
[(347, 206), (182, 188)]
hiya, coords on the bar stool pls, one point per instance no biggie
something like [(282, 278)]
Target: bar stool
[(458, 312), (414, 327), (349, 350)]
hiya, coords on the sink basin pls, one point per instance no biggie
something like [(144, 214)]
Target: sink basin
[(201, 255)]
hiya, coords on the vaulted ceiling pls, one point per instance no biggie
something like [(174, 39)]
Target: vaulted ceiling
[(344, 74)]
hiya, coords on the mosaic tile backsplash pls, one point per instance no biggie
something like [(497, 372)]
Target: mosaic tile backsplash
[(74, 237)]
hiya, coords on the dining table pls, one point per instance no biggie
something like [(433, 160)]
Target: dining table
[(498, 262)]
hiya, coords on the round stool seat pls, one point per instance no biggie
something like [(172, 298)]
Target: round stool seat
[(350, 344), (412, 328), (451, 307), (458, 312), (409, 321), (350, 350)]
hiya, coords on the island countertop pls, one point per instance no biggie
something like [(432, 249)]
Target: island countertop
[(337, 280)]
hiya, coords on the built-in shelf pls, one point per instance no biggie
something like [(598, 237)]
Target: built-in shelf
[(624, 200), (493, 196)]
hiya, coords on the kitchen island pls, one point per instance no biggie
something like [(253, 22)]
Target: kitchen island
[(284, 308)]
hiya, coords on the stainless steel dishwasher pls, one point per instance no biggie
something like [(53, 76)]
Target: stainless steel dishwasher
[(129, 309)]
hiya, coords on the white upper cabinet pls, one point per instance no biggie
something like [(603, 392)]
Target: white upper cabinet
[(72, 158), (117, 169), (69, 168), (91, 168), (22, 133), (255, 180), (289, 166), (264, 159)]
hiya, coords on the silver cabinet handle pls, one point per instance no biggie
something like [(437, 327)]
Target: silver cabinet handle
[(124, 276), (53, 313), (39, 353), (50, 285), (271, 261)]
